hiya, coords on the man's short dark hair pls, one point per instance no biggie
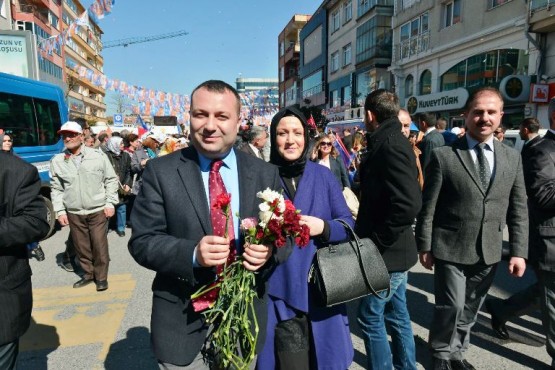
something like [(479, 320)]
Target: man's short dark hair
[(220, 87), (429, 118), (441, 123), (82, 122), (102, 137), (480, 91), (383, 104), (532, 124), (550, 110)]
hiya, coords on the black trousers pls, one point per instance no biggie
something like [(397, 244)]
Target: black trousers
[(292, 344), (8, 355)]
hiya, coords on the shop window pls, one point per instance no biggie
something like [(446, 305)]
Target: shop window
[(426, 82)]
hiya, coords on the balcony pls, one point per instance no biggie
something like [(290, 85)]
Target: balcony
[(411, 47), (37, 11), (542, 16), (292, 52), (82, 80)]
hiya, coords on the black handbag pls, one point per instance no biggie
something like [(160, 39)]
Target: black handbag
[(346, 271)]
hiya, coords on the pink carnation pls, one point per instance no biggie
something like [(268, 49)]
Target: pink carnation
[(248, 223)]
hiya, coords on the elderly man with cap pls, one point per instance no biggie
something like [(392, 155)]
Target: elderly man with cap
[(84, 192)]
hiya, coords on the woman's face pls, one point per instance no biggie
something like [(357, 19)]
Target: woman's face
[(7, 143), (325, 146), (290, 138)]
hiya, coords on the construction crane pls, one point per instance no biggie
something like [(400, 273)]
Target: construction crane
[(138, 40)]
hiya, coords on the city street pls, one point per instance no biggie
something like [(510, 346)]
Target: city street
[(84, 329)]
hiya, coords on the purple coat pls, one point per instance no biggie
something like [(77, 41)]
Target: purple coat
[(320, 195)]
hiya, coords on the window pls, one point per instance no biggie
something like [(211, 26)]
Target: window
[(347, 11), (364, 6), (334, 65), (409, 86), (426, 82), (374, 39), (334, 98), (281, 48), (281, 74), (452, 13), (3, 12), (30, 121), (414, 36), (312, 85), (496, 3), (347, 95), (71, 5), (346, 55), (335, 20), (53, 20)]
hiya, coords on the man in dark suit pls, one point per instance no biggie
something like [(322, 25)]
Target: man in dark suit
[(540, 183), (22, 221), (173, 232), (471, 191), (528, 299), (390, 200), (257, 137), (432, 138)]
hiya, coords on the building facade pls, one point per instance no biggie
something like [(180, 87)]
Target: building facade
[(83, 48), (42, 19), (442, 51), (289, 50), (5, 15)]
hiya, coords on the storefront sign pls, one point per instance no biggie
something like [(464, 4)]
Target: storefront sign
[(447, 100), (13, 55)]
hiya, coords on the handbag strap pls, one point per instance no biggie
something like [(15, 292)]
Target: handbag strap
[(357, 243)]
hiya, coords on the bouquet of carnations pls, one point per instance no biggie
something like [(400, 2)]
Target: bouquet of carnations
[(232, 340)]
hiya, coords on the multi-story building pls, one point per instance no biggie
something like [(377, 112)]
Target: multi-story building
[(289, 49), (342, 33), (42, 18), (83, 48), (313, 59), (444, 50), (243, 84)]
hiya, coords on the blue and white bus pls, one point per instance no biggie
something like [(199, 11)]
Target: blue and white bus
[(32, 112)]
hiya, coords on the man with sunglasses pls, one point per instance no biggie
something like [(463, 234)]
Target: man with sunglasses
[(84, 193)]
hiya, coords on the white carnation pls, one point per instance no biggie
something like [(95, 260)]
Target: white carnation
[(268, 195), (264, 217), (264, 207)]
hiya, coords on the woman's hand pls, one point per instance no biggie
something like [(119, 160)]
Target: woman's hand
[(315, 224)]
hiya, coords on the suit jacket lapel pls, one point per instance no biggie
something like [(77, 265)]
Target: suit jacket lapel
[(247, 188), (463, 151), (189, 171)]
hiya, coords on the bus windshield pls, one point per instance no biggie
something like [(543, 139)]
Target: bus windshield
[(30, 121)]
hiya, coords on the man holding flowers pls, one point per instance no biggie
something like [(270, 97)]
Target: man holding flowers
[(176, 231)]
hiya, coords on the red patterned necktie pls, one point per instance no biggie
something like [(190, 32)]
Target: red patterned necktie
[(216, 187)]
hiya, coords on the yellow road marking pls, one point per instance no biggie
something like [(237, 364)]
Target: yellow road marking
[(65, 317)]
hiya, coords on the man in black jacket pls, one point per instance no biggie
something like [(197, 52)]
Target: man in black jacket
[(540, 186), (22, 220), (390, 200), (432, 138)]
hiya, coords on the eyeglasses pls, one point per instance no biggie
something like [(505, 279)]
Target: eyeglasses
[(325, 143)]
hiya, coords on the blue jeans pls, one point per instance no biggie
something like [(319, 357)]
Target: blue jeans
[(121, 210), (374, 314)]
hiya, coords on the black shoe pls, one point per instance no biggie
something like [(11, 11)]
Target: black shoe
[(66, 265), (101, 285), (440, 364), (121, 233), (39, 254), (461, 365), (499, 328), (83, 282)]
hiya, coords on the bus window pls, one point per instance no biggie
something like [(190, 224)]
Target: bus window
[(49, 121), (19, 116)]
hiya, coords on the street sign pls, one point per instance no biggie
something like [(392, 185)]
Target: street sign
[(118, 120)]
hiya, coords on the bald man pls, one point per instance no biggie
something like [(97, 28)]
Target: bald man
[(405, 119)]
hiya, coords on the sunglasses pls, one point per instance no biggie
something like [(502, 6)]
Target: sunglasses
[(325, 144)]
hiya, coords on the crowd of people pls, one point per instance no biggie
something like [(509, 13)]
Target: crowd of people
[(438, 196)]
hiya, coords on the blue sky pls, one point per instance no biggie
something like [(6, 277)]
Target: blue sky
[(226, 39)]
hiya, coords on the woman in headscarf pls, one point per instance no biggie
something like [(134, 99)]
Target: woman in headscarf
[(302, 335), (122, 166)]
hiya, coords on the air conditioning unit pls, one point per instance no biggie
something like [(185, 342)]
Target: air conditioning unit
[(20, 25)]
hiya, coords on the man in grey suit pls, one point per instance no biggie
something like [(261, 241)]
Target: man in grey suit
[(432, 138), (22, 220), (472, 190), (257, 137), (173, 231)]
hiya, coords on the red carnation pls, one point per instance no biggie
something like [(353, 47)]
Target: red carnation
[(222, 201)]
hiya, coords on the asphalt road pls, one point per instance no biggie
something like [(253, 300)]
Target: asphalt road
[(85, 329)]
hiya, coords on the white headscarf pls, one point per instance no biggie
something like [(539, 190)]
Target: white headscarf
[(113, 145)]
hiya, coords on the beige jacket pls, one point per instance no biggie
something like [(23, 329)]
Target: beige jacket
[(84, 190)]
